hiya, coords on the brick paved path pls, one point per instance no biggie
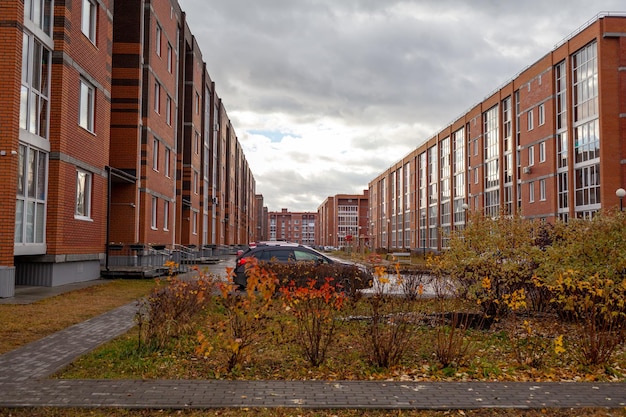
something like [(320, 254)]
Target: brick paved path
[(23, 383)]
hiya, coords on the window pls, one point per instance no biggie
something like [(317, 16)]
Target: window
[(86, 106), (531, 155), (157, 97), (195, 182), (153, 213), (157, 40), (155, 154), (194, 226), (542, 114), (166, 215), (196, 143), (89, 20), (40, 12), (530, 120), (542, 152), (30, 208), (475, 175), (167, 162), (35, 91), (83, 194), (168, 110), (542, 190), (197, 103), (531, 192), (170, 58)]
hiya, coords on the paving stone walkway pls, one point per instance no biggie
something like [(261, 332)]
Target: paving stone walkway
[(25, 382)]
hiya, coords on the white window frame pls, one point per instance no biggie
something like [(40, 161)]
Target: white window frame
[(542, 114), (157, 97), (195, 182), (531, 192), (542, 152), (167, 162), (170, 58), (86, 105), (82, 204), (35, 89), (155, 154), (89, 20), (157, 39), (531, 120), (153, 213), (531, 155), (31, 197), (542, 190), (166, 215), (197, 103), (168, 110), (194, 225)]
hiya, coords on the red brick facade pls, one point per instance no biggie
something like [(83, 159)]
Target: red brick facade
[(114, 134), (547, 145)]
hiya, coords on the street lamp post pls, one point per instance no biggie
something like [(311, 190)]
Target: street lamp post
[(620, 193)]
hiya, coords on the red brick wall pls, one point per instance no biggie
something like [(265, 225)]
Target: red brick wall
[(11, 19), (71, 145)]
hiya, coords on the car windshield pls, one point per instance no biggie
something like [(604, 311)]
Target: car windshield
[(308, 256)]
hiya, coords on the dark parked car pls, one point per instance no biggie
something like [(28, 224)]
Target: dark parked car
[(275, 255)]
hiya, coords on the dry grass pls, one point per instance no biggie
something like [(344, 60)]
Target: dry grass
[(21, 324)]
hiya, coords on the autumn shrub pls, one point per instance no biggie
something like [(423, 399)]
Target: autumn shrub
[(596, 305), (585, 272), (171, 308), (316, 310), (502, 250), (245, 315), (346, 278), (412, 281), (452, 343), (529, 347), (389, 331)]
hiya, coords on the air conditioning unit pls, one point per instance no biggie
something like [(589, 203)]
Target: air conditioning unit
[(214, 199), (526, 170)]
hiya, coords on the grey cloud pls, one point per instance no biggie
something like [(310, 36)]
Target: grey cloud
[(399, 77)]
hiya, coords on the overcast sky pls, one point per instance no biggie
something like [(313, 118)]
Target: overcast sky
[(324, 95)]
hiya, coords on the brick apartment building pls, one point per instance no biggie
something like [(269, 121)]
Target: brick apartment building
[(549, 144), (343, 221), (299, 227), (111, 131)]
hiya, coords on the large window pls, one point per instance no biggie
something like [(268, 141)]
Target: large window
[(89, 19), (35, 91), (31, 195), (86, 106), (40, 13), (83, 194), (492, 162), (586, 131)]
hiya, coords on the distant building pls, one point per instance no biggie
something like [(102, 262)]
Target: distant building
[(549, 144), (289, 226), (343, 221), (261, 219)]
